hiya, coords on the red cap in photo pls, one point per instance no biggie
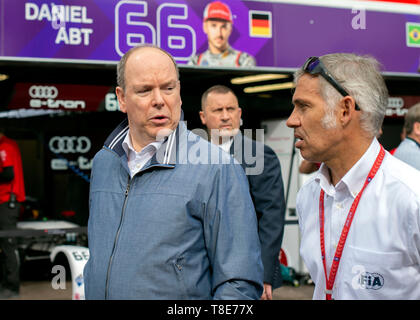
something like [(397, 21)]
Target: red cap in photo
[(217, 10)]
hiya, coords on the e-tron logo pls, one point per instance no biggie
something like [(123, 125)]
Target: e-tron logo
[(66, 144), (43, 92), (45, 96)]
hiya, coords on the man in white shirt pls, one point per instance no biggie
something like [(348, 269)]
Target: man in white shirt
[(360, 214), (409, 149)]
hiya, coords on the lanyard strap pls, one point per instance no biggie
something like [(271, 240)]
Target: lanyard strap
[(339, 250)]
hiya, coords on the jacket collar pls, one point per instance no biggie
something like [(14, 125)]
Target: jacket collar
[(409, 138), (166, 155)]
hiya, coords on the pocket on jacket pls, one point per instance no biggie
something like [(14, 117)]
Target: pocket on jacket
[(178, 265)]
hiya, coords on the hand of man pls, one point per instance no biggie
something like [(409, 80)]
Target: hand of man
[(267, 294)]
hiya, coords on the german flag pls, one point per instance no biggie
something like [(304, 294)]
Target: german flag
[(260, 24)]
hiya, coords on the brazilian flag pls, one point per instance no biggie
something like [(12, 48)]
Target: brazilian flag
[(413, 34)]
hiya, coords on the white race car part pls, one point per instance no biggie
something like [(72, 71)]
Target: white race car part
[(77, 257)]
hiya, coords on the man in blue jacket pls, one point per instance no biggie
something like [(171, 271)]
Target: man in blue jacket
[(170, 216), (221, 115)]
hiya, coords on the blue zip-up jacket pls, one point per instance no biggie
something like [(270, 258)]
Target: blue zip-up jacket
[(184, 227)]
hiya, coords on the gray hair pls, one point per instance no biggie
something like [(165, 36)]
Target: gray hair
[(412, 116), (217, 89), (361, 78), (124, 58)]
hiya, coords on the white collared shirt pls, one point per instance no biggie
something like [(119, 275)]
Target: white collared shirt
[(137, 160), (381, 257), (225, 145)]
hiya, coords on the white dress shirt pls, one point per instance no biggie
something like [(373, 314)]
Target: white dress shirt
[(381, 257), (225, 145), (137, 160)]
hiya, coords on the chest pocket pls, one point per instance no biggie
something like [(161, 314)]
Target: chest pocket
[(160, 202), (373, 275)]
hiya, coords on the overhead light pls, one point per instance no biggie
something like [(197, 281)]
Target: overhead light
[(257, 78), (3, 77), (269, 87), (265, 95)]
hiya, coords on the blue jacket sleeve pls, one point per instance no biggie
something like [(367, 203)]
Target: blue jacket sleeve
[(231, 236)]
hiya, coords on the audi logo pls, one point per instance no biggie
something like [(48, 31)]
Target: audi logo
[(47, 92), (395, 102), (66, 144)]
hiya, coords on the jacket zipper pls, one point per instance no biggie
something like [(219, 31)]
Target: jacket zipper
[(116, 239)]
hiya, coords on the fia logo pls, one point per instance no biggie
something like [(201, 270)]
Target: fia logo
[(373, 281), (366, 280)]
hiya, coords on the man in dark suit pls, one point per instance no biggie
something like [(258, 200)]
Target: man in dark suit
[(221, 115)]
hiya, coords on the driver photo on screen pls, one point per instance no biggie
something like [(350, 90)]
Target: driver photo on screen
[(218, 26)]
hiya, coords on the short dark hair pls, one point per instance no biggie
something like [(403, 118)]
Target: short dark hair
[(217, 89), (124, 58)]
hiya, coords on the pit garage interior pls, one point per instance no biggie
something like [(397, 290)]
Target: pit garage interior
[(63, 194)]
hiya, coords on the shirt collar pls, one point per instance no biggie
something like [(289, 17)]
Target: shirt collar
[(355, 178), (225, 145), (128, 146), (222, 54)]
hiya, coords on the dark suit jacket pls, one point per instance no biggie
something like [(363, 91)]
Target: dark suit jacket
[(267, 194)]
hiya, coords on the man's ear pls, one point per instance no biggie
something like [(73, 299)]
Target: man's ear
[(202, 117), (347, 110), (121, 98), (416, 129), (205, 27)]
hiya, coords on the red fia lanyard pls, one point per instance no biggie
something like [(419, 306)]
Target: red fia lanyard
[(346, 227)]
